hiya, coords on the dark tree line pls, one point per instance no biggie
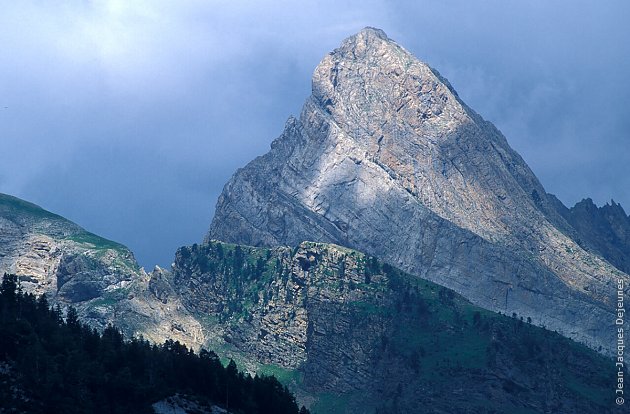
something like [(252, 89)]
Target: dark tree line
[(60, 365)]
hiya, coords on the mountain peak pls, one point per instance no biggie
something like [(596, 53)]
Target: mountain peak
[(370, 34), (375, 31), (372, 87), (355, 46), (385, 158), (367, 43)]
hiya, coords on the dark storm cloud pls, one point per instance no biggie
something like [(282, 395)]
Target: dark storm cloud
[(129, 116)]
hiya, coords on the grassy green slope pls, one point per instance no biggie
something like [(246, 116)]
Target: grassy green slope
[(40, 220), (12, 207), (431, 347)]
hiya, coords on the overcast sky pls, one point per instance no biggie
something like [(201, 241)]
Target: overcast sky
[(128, 117)]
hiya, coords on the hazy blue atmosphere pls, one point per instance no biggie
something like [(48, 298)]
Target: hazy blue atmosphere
[(128, 117)]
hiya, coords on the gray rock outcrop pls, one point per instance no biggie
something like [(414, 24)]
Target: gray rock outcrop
[(344, 330), (99, 277), (604, 230), (385, 158)]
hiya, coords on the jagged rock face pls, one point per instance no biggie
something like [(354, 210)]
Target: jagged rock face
[(605, 230), (55, 256), (385, 158), (287, 307), (344, 330), (99, 277)]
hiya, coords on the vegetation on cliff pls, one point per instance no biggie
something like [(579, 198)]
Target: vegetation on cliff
[(352, 334), (52, 364)]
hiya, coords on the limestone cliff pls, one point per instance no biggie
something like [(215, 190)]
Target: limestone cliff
[(604, 230), (99, 277), (385, 158), (350, 334)]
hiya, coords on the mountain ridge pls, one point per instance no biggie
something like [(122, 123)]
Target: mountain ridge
[(337, 325), (605, 229), (52, 255)]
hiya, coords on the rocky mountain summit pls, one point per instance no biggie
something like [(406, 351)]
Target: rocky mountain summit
[(385, 158), (605, 230)]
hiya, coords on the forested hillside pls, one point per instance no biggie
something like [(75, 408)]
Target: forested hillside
[(52, 364)]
